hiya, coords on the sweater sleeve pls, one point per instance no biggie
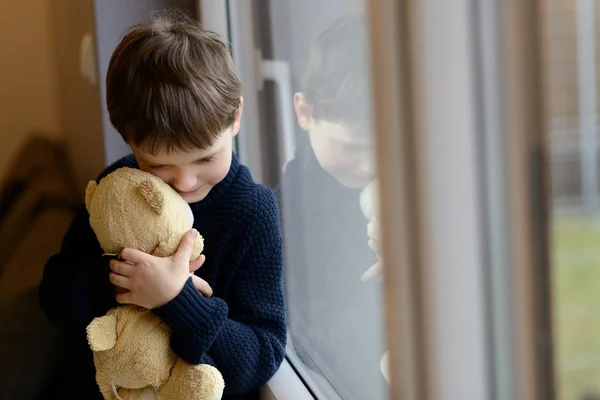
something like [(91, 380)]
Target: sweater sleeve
[(75, 287), (245, 335)]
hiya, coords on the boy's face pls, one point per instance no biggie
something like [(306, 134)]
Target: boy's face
[(192, 173), (344, 153)]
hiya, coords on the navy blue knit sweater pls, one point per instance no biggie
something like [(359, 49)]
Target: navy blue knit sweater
[(240, 329)]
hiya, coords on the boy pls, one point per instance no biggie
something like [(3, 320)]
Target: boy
[(334, 316), (174, 96)]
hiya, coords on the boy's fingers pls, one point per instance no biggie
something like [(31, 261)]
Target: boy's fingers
[(202, 286), (186, 246), (121, 268), (119, 280), (373, 245), (132, 255), (197, 263), (119, 290), (373, 272), (125, 298)]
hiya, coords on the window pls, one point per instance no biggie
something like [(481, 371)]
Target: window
[(307, 131), (571, 38), (334, 311), (474, 122)]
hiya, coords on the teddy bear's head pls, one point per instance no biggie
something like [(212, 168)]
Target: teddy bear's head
[(131, 208), (131, 348)]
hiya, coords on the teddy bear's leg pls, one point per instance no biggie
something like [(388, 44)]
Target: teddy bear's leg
[(192, 382)]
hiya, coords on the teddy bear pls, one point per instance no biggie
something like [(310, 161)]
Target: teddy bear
[(369, 208), (369, 198), (130, 208)]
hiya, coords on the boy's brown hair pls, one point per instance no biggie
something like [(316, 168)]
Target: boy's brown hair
[(336, 80), (171, 85)]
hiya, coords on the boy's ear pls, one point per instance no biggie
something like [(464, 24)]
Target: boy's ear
[(303, 111), (238, 117)]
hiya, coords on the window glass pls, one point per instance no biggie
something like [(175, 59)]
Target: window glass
[(327, 193), (572, 43)]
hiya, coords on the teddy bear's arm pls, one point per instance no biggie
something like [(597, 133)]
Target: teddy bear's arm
[(102, 333), (192, 382)]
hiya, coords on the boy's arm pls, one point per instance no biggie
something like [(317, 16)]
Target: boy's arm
[(75, 287), (244, 339)]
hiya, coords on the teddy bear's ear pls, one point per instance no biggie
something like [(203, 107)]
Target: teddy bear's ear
[(102, 333), (384, 366), (151, 192), (89, 193)]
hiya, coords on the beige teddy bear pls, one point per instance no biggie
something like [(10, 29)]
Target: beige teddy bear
[(369, 199), (130, 208), (369, 207)]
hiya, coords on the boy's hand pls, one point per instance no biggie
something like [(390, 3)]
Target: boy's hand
[(197, 263), (375, 270), (153, 281), (201, 285)]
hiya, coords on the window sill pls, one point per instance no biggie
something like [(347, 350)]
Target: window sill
[(285, 385)]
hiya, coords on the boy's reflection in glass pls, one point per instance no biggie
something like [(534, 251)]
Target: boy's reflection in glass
[(334, 316)]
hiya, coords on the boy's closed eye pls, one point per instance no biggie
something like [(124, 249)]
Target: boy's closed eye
[(158, 167), (206, 160)]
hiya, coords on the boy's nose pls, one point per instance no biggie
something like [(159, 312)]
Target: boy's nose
[(185, 184)]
